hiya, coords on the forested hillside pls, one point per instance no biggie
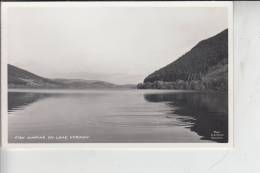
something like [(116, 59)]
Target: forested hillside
[(205, 66)]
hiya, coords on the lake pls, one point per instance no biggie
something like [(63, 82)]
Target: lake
[(117, 116)]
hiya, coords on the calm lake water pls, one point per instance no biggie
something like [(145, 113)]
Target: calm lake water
[(62, 116)]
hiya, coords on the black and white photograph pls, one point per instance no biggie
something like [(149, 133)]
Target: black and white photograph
[(117, 73)]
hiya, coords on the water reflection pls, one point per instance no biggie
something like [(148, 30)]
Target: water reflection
[(19, 100), (119, 116), (207, 113)]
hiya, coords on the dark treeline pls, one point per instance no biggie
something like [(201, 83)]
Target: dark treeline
[(205, 66)]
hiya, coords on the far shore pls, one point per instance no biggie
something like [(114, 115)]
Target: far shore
[(53, 90)]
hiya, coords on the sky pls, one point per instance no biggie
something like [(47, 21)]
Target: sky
[(121, 45)]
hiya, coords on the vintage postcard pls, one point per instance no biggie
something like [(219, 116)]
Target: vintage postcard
[(117, 74)]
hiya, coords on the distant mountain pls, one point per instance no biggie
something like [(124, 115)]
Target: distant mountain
[(205, 66), (20, 78)]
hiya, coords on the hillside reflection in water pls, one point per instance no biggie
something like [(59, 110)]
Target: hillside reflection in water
[(207, 112), (120, 116)]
